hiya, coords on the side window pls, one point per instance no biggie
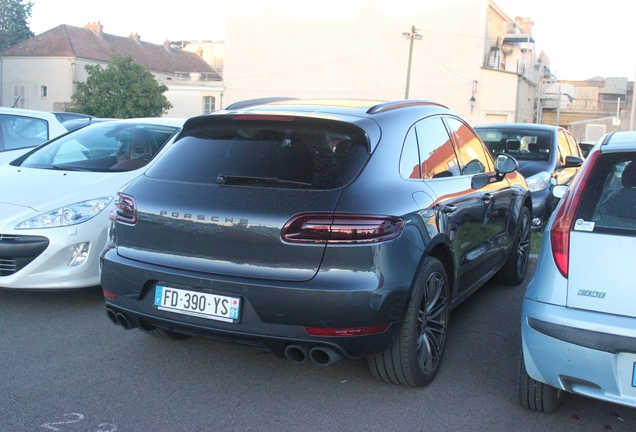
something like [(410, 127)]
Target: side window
[(410, 160), (564, 147), (436, 149), (574, 147), (22, 132), (473, 157)]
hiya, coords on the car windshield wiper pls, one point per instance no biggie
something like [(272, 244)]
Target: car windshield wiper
[(227, 179), (65, 168)]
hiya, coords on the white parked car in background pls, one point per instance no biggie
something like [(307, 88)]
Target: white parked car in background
[(22, 129), (54, 217)]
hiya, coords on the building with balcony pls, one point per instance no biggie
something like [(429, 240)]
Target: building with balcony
[(589, 108)]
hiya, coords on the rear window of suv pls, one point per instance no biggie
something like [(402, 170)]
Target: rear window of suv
[(281, 152), (609, 200)]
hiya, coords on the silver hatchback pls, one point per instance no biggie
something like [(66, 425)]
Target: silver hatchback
[(578, 321)]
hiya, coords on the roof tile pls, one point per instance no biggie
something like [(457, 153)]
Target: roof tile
[(69, 41)]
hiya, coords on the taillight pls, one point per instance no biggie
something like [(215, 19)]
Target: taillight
[(564, 217), (125, 210), (109, 295), (352, 331), (341, 229)]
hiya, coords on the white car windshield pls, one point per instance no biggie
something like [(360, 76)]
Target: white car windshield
[(112, 146)]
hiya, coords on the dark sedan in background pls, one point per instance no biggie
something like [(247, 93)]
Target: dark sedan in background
[(547, 155), (320, 229)]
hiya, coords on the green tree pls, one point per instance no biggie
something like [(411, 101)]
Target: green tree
[(122, 90), (13, 22)]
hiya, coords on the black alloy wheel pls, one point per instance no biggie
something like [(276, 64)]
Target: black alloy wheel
[(415, 356), (514, 271)]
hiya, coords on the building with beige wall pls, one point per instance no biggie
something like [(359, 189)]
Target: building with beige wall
[(469, 49), (39, 73)]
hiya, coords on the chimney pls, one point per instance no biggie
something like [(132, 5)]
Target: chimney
[(200, 52), (526, 24), (135, 37), (96, 28), (167, 44)]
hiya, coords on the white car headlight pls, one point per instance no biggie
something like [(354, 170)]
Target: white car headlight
[(538, 181), (69, 215)]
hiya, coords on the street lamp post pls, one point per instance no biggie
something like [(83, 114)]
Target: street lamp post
[(411, 37)]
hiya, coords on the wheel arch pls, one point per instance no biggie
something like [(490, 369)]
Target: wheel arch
[(440, 249)]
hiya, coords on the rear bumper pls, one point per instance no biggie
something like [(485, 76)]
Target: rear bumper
[(587, 353), (273, 313)]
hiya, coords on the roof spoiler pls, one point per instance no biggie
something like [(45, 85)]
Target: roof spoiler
[(258, 101), (401, 104)]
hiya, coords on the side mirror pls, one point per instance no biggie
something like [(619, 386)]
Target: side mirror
[(559, 191), (478, 181), (504, 164), (573, 161)]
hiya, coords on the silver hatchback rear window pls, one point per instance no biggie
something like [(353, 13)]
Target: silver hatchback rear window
[(610, 197)]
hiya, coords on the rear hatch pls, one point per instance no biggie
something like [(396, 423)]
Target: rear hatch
[(602, 274), (218, 199)]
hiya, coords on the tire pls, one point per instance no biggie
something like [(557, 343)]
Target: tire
[(514, 270), (415, 356), (535, 395), (165, 334)]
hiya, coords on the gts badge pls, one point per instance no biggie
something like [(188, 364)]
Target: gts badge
[(587, 293)]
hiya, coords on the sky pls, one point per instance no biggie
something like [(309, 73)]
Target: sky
[(582, 41)]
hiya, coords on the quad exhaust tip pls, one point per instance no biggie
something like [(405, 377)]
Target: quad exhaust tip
[(120, 318), (322, 355)]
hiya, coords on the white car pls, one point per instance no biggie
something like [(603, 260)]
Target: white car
[(56, 199), (22, 129)]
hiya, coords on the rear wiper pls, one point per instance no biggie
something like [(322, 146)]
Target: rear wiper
[(225, 179)]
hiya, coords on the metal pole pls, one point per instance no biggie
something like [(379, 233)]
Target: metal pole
[(538, 120), (408, 70), (558, 114)]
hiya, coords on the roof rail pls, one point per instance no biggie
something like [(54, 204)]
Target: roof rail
[(402, 104), (258, 101)]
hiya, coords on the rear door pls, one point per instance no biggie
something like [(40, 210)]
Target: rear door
[(459, 207), (602, 274), (496, 198)]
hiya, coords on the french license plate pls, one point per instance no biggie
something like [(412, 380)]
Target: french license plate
[(202, 305)]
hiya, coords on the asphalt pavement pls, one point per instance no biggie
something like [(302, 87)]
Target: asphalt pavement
[(65, 367)]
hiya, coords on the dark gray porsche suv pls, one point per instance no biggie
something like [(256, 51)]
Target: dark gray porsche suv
[(319, 229)]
